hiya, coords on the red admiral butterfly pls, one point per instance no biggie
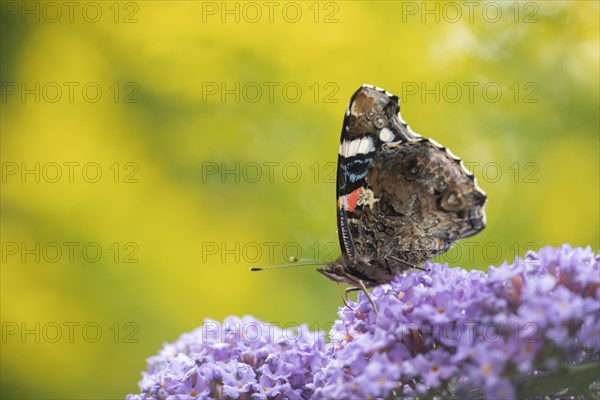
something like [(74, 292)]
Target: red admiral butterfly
[(401, 199)]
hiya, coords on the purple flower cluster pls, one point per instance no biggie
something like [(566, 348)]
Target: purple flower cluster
[(447, 332), (460, 333), (241, 358)]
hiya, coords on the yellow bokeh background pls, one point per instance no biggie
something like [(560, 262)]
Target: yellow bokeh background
[(204, 170)]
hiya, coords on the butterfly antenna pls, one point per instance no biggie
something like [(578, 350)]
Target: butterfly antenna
[(295, 263), (293, 259)]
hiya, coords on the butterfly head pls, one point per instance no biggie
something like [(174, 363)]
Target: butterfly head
[(343, 270), (335, 271), (340, 272)]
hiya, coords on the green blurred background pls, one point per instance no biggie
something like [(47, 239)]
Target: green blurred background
[(215, 129)]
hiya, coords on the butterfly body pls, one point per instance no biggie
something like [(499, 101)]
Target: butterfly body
[(401, 199)]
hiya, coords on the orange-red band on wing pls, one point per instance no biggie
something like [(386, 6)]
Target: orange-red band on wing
[(352, 199)]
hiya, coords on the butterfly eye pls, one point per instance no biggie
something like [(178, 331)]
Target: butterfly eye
[(338, 270), (380, 122)]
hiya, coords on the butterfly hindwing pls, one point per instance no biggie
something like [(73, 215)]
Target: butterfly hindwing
[(422, 202)]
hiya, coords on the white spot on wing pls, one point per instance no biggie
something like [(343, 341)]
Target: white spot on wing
[(451, 154), (410, 131), (465, 170), (351, 148), (365, 146), (366, 198), (357, 146), (344, 200), (436, 144), (477, 187), (385, 135)]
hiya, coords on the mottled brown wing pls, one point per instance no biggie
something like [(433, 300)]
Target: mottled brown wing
[(421, 199)]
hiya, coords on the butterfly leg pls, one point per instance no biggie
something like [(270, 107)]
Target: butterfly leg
[(364, 289), (344, 298), (350, 289), (353, 289), (360, 285)]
